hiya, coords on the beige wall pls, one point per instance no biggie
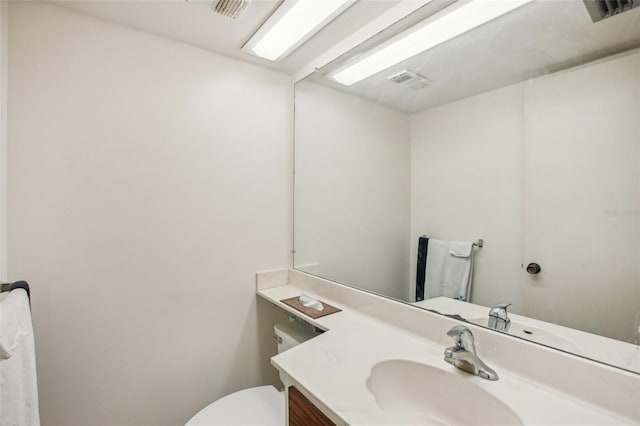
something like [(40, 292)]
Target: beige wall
[(148, 181), (352, 190)]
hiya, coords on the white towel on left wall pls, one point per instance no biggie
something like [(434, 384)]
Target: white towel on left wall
[(449, 269), (18, 380)]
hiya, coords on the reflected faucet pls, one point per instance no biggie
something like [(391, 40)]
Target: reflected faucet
[(463, 354), (498, 318)]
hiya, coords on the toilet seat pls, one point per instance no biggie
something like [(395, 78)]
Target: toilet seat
[(262, 405)]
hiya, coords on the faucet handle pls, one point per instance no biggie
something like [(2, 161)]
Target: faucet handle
[(500, 311), (462, 337)]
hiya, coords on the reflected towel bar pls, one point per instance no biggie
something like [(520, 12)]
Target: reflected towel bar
[(479, 243)]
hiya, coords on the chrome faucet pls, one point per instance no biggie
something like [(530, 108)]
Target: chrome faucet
[(498, 318), (463, 354)]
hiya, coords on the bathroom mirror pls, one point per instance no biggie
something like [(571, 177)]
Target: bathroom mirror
[(523, 132)]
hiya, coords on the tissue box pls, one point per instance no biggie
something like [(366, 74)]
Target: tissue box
[(295, 303)]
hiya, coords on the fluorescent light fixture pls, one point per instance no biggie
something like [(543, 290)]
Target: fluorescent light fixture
[(292, 24), (459, 21)]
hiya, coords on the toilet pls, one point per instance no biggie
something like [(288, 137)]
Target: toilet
[(261, 405)]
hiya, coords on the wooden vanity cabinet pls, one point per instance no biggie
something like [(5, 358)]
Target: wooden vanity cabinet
[(302, 412)]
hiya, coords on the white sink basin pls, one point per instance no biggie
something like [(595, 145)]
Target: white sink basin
[(535, 334), (416, 393)]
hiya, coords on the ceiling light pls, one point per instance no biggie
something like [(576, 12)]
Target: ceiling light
[(408, 44), (291, 25)]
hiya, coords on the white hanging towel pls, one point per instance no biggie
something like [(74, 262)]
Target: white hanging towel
[(18, 383), (449, 269)]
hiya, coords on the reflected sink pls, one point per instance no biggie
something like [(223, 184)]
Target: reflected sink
[(535, 334), (416, 393)]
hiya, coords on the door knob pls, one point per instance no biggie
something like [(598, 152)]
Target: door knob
[(533, 268)]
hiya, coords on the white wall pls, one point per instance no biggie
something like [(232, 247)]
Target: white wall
[(4, 33), (352, 179), (148, 181), (466, 183)]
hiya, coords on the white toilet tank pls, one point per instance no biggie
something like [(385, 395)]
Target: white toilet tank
[(291, 333)]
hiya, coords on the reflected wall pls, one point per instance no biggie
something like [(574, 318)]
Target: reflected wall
[(352, 168)]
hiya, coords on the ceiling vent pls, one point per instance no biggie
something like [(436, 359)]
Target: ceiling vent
[(602, 9), (409, 79), (230, 8)]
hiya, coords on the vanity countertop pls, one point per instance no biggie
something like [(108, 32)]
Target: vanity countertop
[(332, 370)]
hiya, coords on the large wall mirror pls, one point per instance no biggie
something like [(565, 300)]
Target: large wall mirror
[(522, 132)]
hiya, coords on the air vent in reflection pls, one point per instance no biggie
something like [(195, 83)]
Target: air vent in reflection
[(602, 9), (409, 79)]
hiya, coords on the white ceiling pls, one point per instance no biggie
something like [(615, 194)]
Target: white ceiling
[(539, 38), (194, 22)]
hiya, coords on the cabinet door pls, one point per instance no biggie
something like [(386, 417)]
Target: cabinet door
[(303, 413), (581, 211)]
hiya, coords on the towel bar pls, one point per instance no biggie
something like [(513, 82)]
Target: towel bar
[(13, 286)]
